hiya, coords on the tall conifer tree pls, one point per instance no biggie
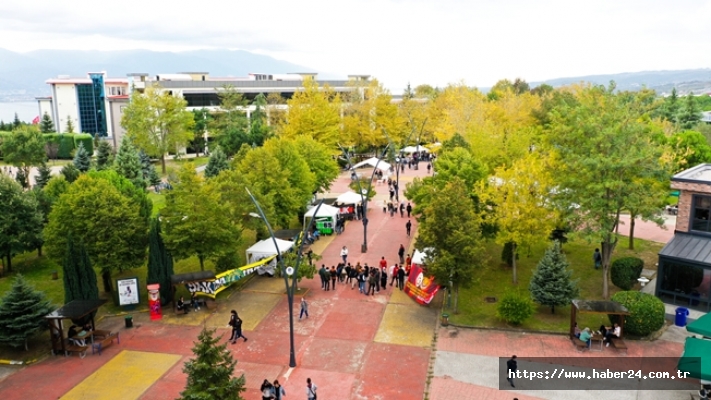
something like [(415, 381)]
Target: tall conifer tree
[(160, 263), (22, 313), (551, 284)]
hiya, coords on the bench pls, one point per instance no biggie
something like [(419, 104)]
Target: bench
[(103, 341), (74, 348), (619, 344), (580, 345)]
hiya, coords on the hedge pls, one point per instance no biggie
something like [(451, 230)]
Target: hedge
[(87, 140), (625, 271), (646, 312)]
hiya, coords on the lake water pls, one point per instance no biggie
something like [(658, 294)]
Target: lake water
[(26, 111)]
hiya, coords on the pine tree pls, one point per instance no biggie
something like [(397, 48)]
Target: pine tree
[(22, 313), (70, 172), (150, 175), (45, 174), (82, 161), (128, 163), (70, 125), (46, 124), (79, 276), (551, 284), (210, 372), (16, 123), (104, 155), (690, 114), (160, 263), (218, 162), (153, 178), (21, 178)]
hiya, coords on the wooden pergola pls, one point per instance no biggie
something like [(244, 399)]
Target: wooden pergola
[(74, 310), (596, 307)]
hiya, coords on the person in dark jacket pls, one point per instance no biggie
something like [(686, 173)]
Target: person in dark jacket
[(511, 367), (401, 278)]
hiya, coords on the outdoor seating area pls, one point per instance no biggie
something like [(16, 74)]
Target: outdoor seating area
[(593, 337)]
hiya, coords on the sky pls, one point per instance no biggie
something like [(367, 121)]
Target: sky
[(435, 42)]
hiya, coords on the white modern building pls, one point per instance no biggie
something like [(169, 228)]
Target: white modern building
[(95, 103)]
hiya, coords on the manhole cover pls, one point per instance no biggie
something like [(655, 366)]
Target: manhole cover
[(490, 299)]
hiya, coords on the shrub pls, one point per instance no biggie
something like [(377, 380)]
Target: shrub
[(51, 145), (515, 308), (87, 140), (646, 312), (66, 146), (625, 271)]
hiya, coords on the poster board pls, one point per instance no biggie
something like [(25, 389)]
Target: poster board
[(127, 290)]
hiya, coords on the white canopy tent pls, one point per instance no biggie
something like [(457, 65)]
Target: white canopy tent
[(414, 149), (349, 198), (325, 219), (324, 211), (419, 256), (265, 249), (373, 161)]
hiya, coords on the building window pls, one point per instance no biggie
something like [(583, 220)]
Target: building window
[(701, 213)]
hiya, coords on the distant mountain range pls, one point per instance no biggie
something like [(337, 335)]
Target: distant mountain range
[(23, 75)]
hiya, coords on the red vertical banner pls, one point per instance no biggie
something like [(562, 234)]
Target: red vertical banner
[(154, 301), (420, 286)]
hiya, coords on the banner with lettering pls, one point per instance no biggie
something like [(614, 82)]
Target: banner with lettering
[(420, 286), (212, 287)]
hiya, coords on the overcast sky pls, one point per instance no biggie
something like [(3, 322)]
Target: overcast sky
[(398, 41)]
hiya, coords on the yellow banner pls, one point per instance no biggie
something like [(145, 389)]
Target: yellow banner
[(225, 279)]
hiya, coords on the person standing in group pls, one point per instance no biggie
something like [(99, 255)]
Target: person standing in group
[(408, 261), (383, 277), (304, 308), (393, 274), (409, 209), (334, 276), (310, 389), (511, 367), (236, 324), (322, 275), (401, 254), (383, 263), (401, 278), (266, 390), (361, 280), (408, 227), (371, 283), (278, 390), (402, 209), (385, 206), (597, 258), (344, 254)]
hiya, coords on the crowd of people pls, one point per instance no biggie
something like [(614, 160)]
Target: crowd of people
[(369, 279)]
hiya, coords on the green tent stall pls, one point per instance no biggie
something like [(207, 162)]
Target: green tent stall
[(701, 326), (695, 360)]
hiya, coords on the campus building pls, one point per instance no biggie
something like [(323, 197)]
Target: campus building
[(684, 270), (95, 104)]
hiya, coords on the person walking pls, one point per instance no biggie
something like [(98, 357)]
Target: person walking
[(401, 254), (310, 389), (334, 276), (511, 367), (322, 275), (393, 274), (401, 278), (409, 209), (597, 258), (408, 227), (278, 390), (402, 209), (344, 254), (304, 308), (266, 390), (236, 324)]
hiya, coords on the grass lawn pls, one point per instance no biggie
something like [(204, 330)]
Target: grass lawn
[(496, 278), (158, 200), (174, 165)]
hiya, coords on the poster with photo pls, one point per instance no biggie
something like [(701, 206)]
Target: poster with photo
[(127, 291)]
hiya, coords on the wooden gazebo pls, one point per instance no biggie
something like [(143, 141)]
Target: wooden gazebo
[(596, 307), (74, 310)]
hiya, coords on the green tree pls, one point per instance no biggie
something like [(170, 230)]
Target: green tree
[(82, 160), (216, 163), (231, 125), (46, 124), (689, 115), (101, 210), (21, 178), (148, 170), (78, 274), (552, 284), (160, 263), (16, 123), (70, 172), (24, 148), (70, 125), (128, 163), (451, 227), (604, 143), (20, 221), (158, 122), (315, 112), (319, 160), (195, 219), (259, 129), (202, 119), (104, 155), (56, 187), (211, 373), (692, 146), (44, 175), (22, 313)]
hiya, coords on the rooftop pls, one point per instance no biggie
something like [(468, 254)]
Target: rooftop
[(698, 174)]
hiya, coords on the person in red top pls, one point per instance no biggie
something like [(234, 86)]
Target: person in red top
[(408, 261), (407, 269), (383, 263)]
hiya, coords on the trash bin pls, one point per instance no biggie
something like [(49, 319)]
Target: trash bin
[(129, 321), (445, 319), (681, 314)]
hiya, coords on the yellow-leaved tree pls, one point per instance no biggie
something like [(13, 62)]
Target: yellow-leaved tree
[(369, 116), (313, 111)]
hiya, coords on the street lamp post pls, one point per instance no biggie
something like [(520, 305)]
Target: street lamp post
[(364, 195), (294, 274)]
